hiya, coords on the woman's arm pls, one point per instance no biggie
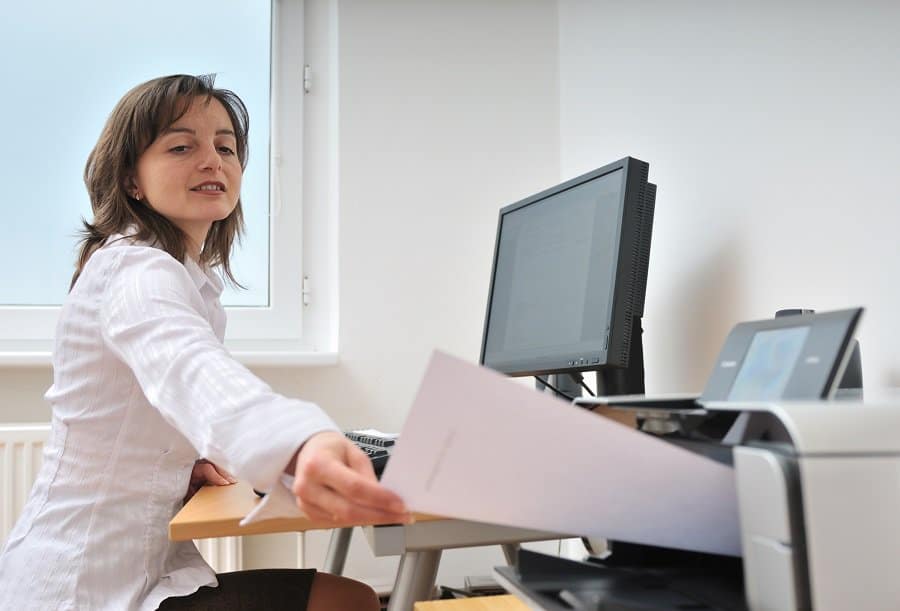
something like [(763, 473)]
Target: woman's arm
[(154, 318)]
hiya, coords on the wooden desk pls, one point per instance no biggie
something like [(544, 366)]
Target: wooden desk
[(215, 511), (482, 603)]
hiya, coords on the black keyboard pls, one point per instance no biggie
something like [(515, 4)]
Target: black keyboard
[(378, 449)]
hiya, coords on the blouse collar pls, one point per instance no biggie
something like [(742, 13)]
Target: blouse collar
[(200, 274)]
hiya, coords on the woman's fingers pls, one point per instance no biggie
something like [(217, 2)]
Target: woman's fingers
[(363, 490), (359, 461), (210, 474), (225, 474), (322, 503)]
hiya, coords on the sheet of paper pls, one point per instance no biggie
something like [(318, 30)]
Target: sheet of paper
[(278, 503), (481, 447)]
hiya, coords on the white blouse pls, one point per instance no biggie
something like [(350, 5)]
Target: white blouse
[(142, 387)]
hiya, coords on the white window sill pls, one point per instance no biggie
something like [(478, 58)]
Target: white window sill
[(252, 354), (286, 358)]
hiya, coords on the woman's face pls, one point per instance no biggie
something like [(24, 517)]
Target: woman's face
[(191, 173)]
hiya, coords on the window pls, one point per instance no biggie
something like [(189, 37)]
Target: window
[(72, 65)]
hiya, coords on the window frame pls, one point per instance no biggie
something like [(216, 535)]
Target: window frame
[(299, 326)]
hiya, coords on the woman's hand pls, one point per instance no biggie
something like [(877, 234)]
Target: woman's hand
[(204, 473), (334, 480)]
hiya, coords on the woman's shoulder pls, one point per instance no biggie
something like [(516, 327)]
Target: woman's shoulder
[(123, 249), (124, 256)]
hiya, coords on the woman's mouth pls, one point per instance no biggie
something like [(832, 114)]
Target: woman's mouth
[(211, 187)]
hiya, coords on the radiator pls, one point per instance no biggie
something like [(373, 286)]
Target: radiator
[(21, 447)]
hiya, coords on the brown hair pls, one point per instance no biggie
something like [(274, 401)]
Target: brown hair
[(136, 121)]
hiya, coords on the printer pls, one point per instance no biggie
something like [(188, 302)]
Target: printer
[(818, 488)]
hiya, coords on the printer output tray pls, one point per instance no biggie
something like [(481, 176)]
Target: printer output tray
[(557, 584)]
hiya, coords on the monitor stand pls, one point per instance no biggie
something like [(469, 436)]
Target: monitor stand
[(630, 380), (567, 385)]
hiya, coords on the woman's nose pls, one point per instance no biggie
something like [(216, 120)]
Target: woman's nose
[(210, 158)]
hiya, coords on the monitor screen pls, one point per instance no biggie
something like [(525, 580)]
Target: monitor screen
[(556, 268)]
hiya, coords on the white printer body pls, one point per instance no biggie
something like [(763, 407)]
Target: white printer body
[(818, 487), (819, 504)]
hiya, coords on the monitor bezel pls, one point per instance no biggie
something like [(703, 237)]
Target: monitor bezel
[(628, 185)]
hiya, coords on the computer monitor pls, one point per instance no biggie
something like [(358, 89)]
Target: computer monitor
[(569, 279)]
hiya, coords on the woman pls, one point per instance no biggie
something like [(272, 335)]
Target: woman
[(143, 386)]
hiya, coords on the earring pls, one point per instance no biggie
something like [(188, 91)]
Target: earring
[(137, 195)]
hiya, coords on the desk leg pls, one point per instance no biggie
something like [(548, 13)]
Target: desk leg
[(337, 550), (511, 552), (415, 579)]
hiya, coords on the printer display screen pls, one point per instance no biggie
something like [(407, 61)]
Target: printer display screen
[(768, 364)]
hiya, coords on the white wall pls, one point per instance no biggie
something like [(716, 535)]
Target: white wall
[(21, 394), (448, 111), (772, 131)]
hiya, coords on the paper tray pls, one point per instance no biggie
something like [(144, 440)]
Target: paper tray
[(556, 584)]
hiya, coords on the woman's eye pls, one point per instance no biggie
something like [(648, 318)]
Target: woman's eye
[(226, 150), (182, 148)]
